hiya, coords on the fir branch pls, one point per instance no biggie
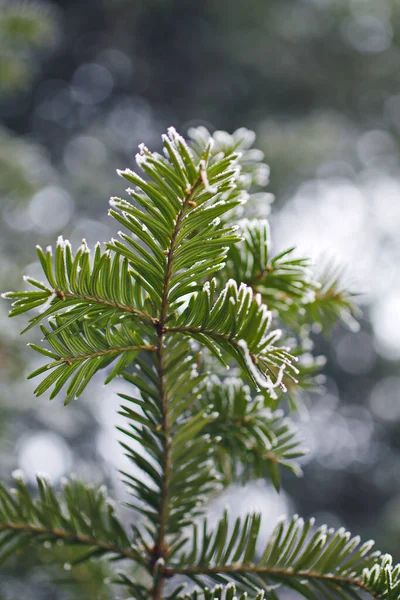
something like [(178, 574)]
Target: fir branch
[(79, 351), (294, 557), (78, 515), (58, 533), (217, 593), (74, 284), (273, 574), (249, 440), (238, 323)]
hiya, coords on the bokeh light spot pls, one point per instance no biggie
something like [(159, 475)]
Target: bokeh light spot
[(91, 83), (44, 452), (50, 209)]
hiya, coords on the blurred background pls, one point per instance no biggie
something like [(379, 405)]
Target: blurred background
[(82, 82)]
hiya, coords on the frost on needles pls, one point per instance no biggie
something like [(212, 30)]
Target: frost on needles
[(188, 288)]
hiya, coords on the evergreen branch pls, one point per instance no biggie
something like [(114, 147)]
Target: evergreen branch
[(239, 324), (79, 515), (282, 280), (249, 440), (301, 294), (219, 592), (332, 302), (167, 262), (140, 303), (79, 350), (75, 284), (60, 534), (294, 556), (273, 574), (177, 236)]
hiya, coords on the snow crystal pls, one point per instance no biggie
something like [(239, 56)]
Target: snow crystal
[(140, 159), (123, 172), (231, 284), (114, 202), (143, 148), (366, 547), (84, 246), (173, 134), (212, 189)]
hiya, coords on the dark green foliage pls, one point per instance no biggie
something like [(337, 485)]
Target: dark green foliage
[(309, 561), (218, 592), (79, 516), (249, 440), (184, 286)]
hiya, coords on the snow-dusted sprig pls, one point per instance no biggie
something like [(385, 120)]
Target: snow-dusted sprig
[(312, 562), (81, 286), (79, 515), (333, 301), (237, 323), (218, 592), (80, 349), (249, 440), (283, 280), (301, 294), (254, 172), (174, 223)]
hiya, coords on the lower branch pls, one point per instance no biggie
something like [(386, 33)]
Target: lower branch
[(273, 572), (77, 538)]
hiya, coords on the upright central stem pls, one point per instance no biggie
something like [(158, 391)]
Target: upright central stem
[(160, 549)]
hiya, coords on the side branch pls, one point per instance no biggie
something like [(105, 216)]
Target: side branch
[(273, 572), (77, 538)]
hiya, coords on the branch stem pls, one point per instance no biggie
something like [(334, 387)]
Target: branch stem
[(96, 299), (160, 549), (116, 350)]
